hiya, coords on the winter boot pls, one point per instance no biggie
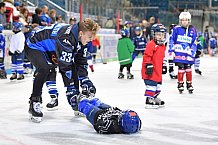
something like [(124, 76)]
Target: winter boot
[(120, 75), (53, 105)]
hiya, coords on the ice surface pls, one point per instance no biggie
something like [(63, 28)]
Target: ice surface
[(187, 119)]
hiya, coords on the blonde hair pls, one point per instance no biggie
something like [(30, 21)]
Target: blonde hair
[(89, 25)]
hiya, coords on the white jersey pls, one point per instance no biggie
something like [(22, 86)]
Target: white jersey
[(17, 42)]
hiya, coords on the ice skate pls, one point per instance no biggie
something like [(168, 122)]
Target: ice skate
[(3, 74), (35, 114), (53, 105), (180, 87), (13, 77), (189, 87), (154, 103), (198, 71), (120, 75), (130, 76), (20, 77), (173, 75), (77, 113)]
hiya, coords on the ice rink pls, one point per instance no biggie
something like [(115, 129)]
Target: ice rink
[(186, 119)]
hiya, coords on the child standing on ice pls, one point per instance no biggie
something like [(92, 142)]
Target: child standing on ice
[(125, 49), (152, 66)]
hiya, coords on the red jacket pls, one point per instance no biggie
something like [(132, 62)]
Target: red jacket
[(95, 42), (154, 54)]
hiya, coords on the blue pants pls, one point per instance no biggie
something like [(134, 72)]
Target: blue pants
[(91, 107)]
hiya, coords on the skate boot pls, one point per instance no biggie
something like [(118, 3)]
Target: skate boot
[(153, 103), (173, 75), (20, 77), (3, 74), (53, 105), (130, 76), (35, 114), (180, 87), (198, 71), (189, 87), (13, 77), (120, 75)]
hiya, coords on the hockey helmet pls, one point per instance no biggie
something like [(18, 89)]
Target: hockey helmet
[(1, 28), (124, 33), (138, 29), (17, 26), (130, 122), (158, 28), (184, 15)]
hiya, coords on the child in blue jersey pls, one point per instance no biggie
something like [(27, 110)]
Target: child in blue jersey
[(109, 120), (140, 43), (16, 51), (183, 44), (3, 74), (212, 44)]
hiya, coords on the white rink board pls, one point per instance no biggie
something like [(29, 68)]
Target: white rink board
[(187, 119)]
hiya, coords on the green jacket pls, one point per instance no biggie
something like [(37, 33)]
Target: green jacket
[(125, 49)]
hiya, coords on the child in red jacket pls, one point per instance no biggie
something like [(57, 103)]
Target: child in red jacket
[(152, 66)]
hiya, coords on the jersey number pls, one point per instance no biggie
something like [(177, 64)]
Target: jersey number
[(66, 56)]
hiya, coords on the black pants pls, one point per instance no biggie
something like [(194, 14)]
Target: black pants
[(39, 61), (128, 66)]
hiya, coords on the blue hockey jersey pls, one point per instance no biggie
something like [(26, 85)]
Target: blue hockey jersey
[(60, 40), (212, 42), (183, 43), (139, 42)]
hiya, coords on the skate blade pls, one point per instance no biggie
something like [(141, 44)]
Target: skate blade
[(152, 106), (35, 119), (52, 109), (79, 114)]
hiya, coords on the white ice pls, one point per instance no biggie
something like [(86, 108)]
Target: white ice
[(186, 119)]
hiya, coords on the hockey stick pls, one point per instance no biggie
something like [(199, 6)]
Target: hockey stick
[(102, 60)]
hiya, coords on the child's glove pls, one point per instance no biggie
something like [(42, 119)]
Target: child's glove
[(149, 69), (87, 86), (164, 68)]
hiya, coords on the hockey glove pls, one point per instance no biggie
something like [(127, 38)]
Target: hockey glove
[(149, 69), (164, 68), (72, 94), (99, 47), (88, 88)]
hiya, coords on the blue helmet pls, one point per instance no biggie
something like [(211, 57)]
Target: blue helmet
[(124, 33), (158, 28), (17, 26), (130, 122), (1, 28), (138, 29)]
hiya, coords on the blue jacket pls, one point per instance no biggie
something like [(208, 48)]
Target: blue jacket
[(183, 43)]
